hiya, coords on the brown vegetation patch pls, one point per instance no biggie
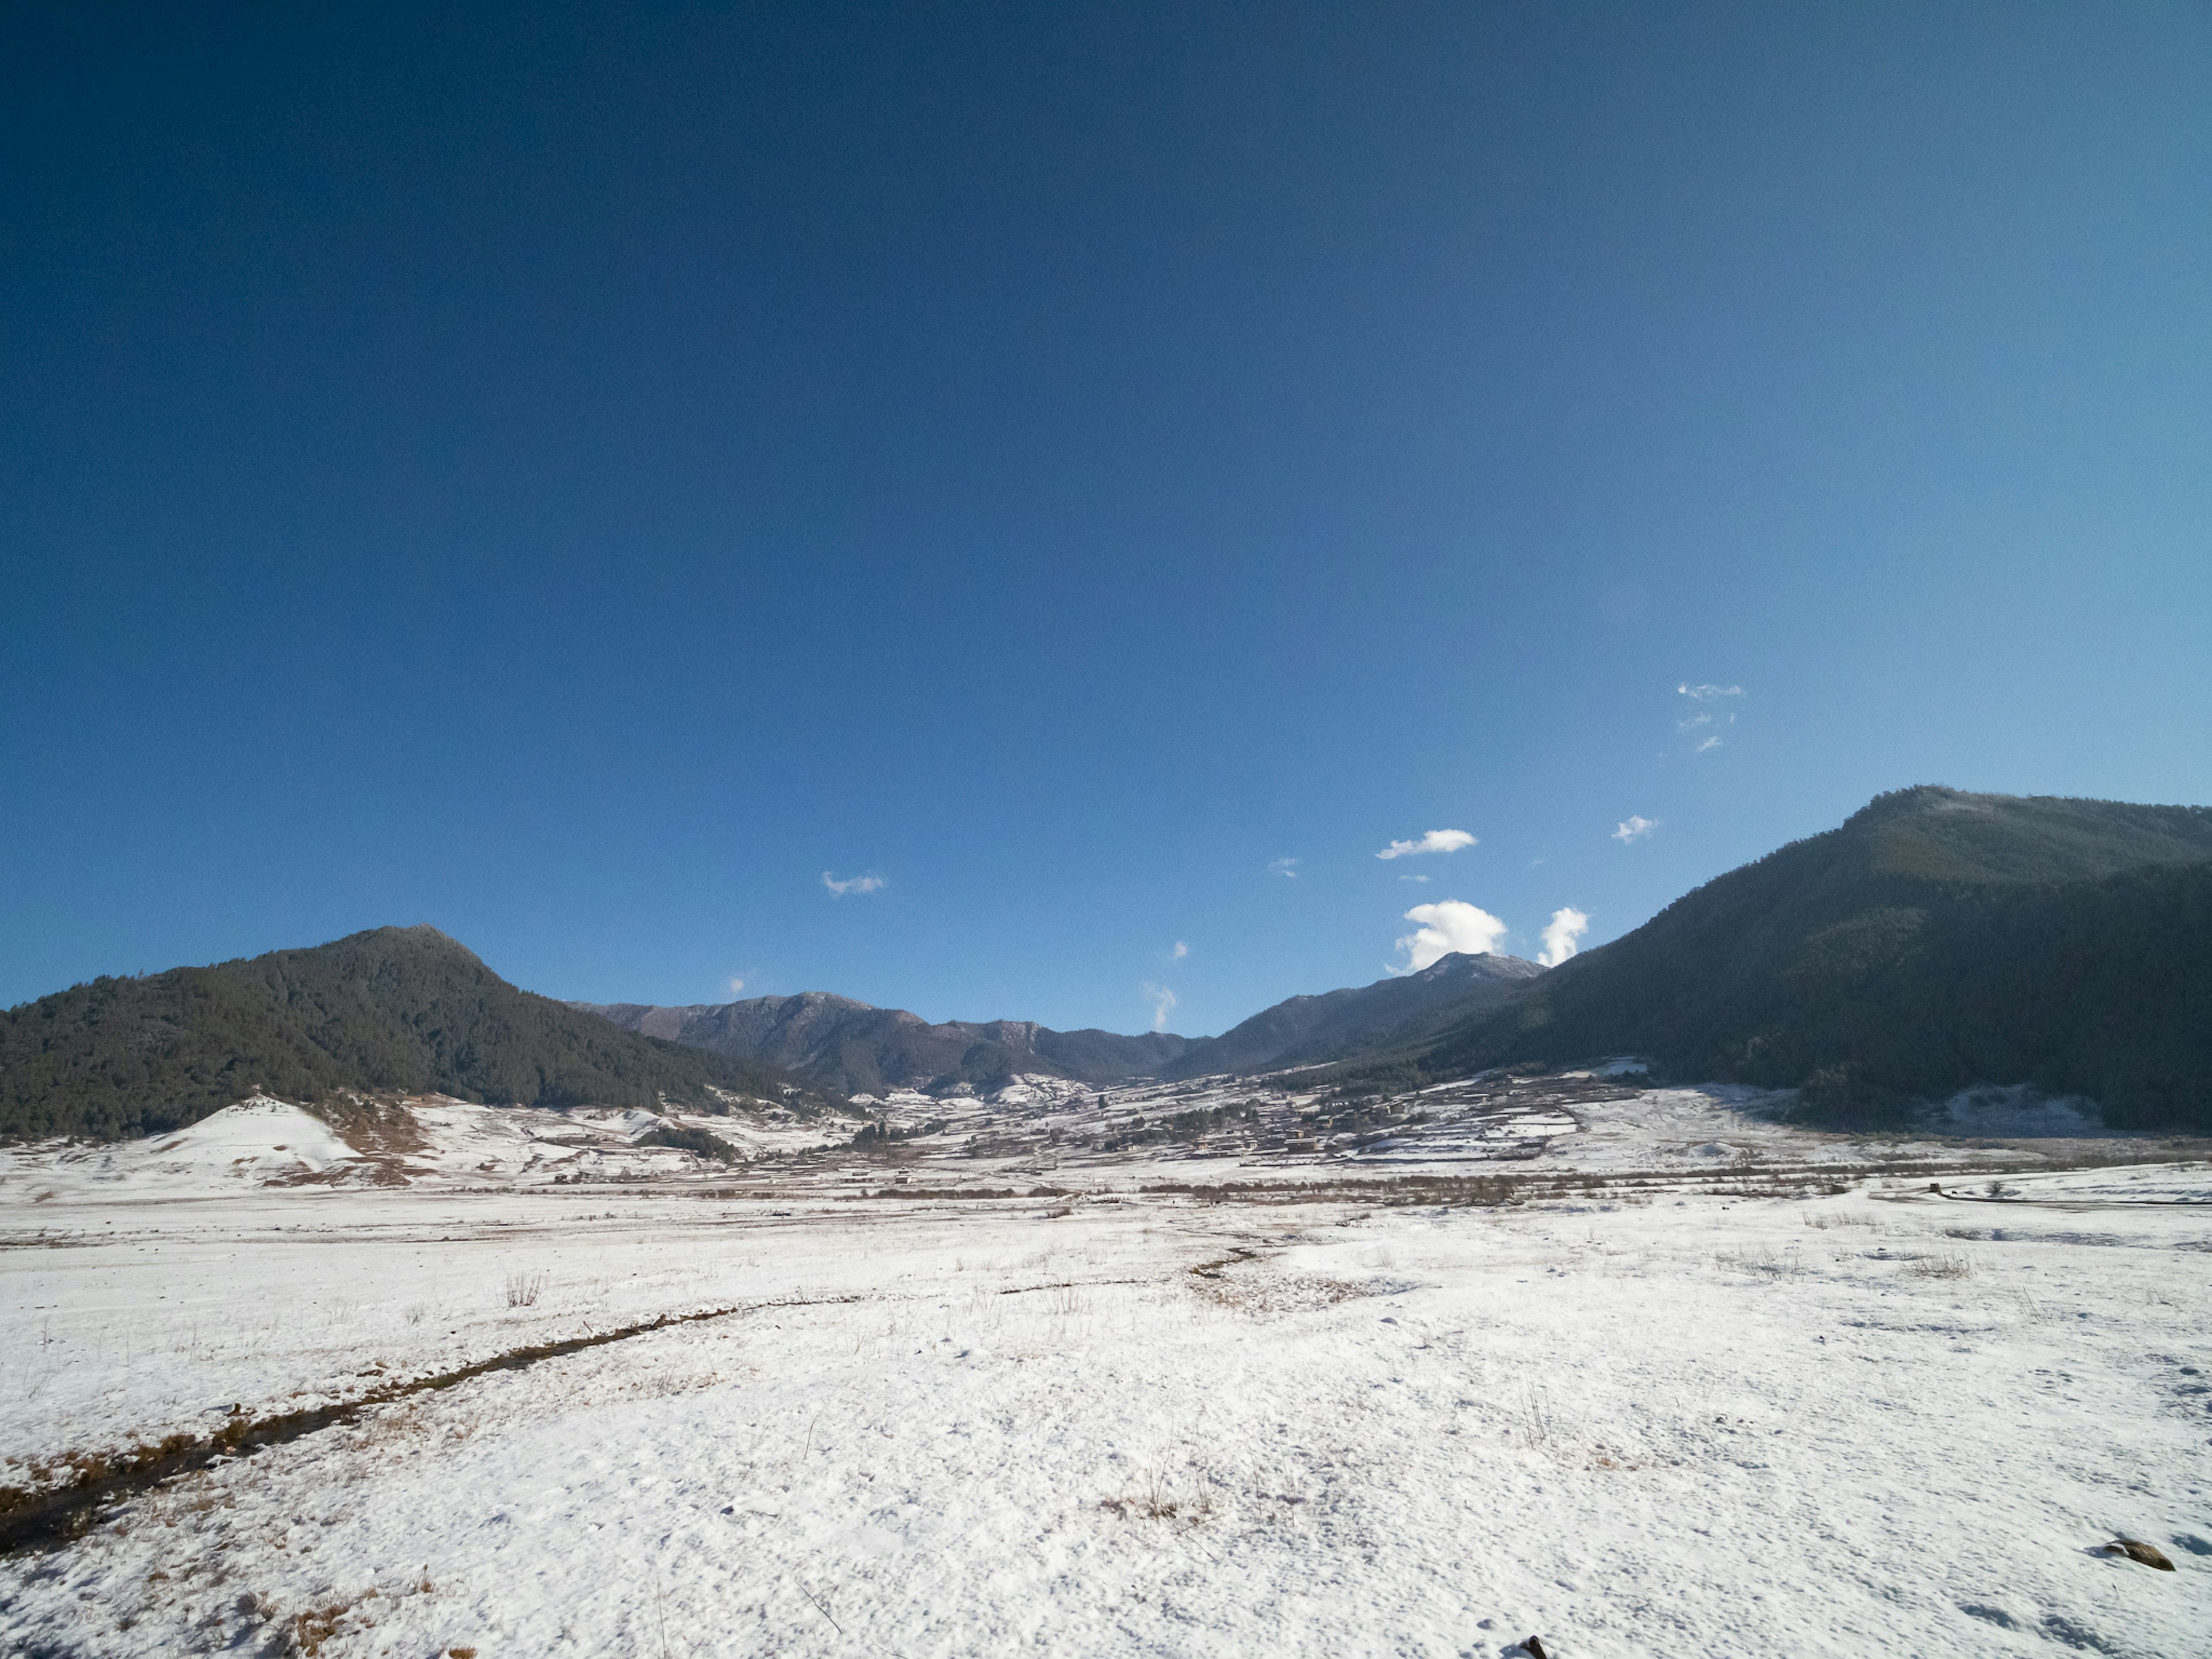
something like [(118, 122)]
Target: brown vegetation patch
[(1282, 1293), (2135, 1549), (375, 1127), (308, 1631)]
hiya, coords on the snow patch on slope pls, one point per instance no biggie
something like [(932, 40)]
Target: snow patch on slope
[(253, 1143)]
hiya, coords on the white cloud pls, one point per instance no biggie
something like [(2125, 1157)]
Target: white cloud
[(1707, 693), (1633, 828), (1285, 867), (736, 987), (1437, 841), (1567, 925), (867, 884), (1713, 742), (1412, 878), (1447, 926), (1163, 1001), (1179, 952)]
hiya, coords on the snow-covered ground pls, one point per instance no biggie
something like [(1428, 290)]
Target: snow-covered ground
[(1696, 1417)]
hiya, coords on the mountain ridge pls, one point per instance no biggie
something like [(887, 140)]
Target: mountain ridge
[(864, 1049)]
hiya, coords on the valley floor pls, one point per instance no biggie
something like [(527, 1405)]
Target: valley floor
[(1671, 1423)]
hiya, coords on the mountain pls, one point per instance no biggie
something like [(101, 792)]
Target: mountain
[(864, 1049), (1935, 940), (401, 1009), (1397, 1011), (867, 1050)]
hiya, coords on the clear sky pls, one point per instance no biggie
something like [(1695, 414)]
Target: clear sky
[(577, 477)]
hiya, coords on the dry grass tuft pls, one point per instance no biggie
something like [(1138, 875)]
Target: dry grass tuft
[(1155, 1499), (307, 1632), (1603, 1459), (1945, 1264), (1535, 1422), (1761, 1262)]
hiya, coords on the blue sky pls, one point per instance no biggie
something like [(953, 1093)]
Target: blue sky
[(576, 477)]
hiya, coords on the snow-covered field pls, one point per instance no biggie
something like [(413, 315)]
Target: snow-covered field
[(1707, 1415)]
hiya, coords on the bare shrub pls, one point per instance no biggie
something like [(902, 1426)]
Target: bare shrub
[(523, 1289)]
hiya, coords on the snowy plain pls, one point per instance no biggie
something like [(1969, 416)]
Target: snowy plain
[(1671, 1394)]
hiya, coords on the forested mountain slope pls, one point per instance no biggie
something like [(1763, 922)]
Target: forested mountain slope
[(1935, 940), (401, 1009)]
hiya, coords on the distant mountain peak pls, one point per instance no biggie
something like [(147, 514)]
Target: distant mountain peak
[(1487, 964), (417, 935)]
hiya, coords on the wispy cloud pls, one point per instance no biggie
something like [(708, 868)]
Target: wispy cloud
[(870, 883), (1421, 878), (1707, 715), (1441, 928), (736, 986), (1163, 1001), (1285, 867), (1634, 828), (1437, 841), (1567, 925), (1179, 952)]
